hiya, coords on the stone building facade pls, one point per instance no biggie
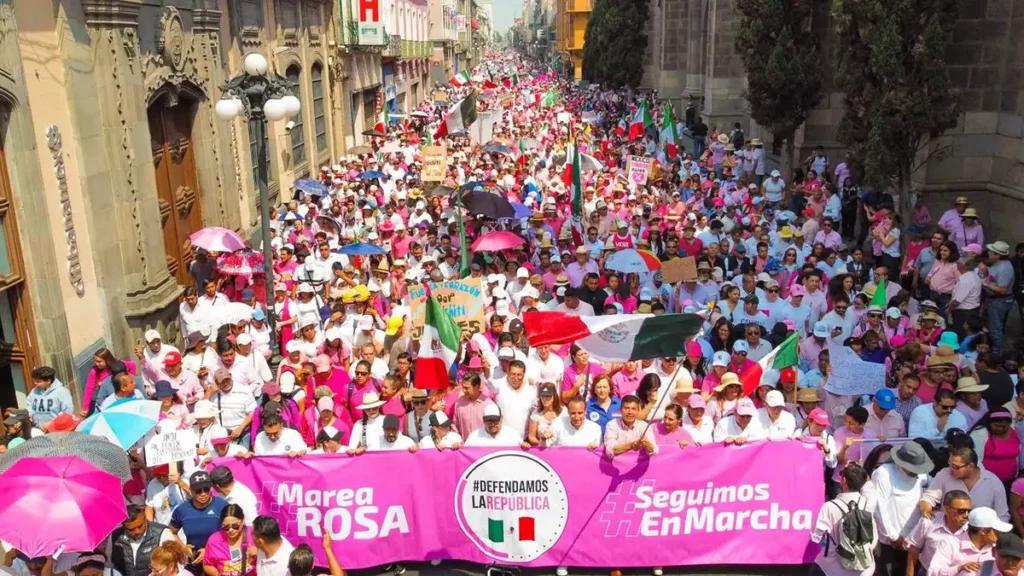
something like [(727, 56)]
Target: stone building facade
[(691, 52), (112, 156)]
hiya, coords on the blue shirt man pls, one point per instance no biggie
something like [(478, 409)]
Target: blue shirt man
[(199, 517)]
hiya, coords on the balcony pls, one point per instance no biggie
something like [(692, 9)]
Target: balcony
[(394, 47)]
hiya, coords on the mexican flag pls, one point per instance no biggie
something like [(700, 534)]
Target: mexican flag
[(784, 356), (526, 532), (511, 82), (574, 184), (640, 122), (439, 345), (488, 85), (382, 121), (622, 128), (460, 79), (669, 135), (617, 337), (461, 117), (550, 98)]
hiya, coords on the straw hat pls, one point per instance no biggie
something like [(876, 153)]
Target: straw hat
[(756, 142), (728, 379), (371, 400), (968, 384), (723, 139), (807, 395), (684, 387), (969, 213)]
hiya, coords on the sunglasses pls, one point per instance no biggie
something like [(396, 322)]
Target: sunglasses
[(201, 490), (231, 527), (419, 402), (358, 373), (773, 290)]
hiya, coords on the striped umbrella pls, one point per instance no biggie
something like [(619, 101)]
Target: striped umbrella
[(631, 260), (124, 422)]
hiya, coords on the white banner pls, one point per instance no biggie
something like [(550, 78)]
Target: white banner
[(171, 447)]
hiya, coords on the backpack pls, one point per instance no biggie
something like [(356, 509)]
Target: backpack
[(857, 537), (738, 138)]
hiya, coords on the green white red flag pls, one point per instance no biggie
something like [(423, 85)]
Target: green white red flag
[(461, 79), (783, 356), (669, 134), (640, 122), (439, 345)]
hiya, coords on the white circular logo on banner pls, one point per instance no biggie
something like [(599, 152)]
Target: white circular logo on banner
[(512, 505)]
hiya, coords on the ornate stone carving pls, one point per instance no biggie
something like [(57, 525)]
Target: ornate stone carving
[(113, 13), (184, 200), (248, 16), (238, 165), (289, 21), (130, 40), (170, 42), (54, 142), (116, 45)]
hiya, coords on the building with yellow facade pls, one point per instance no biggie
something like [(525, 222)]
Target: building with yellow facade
[(571, 27)]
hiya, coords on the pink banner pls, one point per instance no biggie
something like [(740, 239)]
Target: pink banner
[(557, 507)]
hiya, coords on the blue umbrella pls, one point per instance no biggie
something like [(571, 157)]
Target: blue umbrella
[(521, 211), (371, 174), (311, 186), (124, 422), (361, 249), (498, 148)]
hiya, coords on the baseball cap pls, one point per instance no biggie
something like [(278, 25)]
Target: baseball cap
[(391, 421), (797, 290), (394, 324), (243, 339), (151, 335), (271, 388), (219, 438), (1009, 545), (819, 416), (774, 399), (439, 419), (172, 358), (886, 399), (985, 517), (325, 403), (199, 480), (506, 354), (221, 476), (696, 401), (821, 329), (721, 358), (741, 347), (221, 375), (259, 315), (491, 412), (745, 407), (776, 173), (893, 313)]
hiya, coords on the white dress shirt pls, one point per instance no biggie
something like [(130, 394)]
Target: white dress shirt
[(897, 495), (505, 437), (781, 429), (589, 434), (728, 428), (447, 441), (289, 441)]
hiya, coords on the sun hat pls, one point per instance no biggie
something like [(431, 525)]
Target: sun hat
[(684, 386), (807, 395), (204, 409), (162, 389), (62, 423), (970, 213), (911, 457), (999, 247), (968, 384), (728, 379), (370, 400), (949, 339)]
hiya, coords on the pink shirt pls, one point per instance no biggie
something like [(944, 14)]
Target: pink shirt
[(943, 276), (856, 451), (617, 433), (664, 438), (469, 414), (892, 426), (1000, 456), (988, 491), (571, 372), (624, 384), (951, 554), (218, 555), (928, 534), (827, 528)]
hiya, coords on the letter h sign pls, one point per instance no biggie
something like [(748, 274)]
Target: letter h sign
[(369, 11)]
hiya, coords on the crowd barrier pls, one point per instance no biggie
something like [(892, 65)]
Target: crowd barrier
[(751, 504)]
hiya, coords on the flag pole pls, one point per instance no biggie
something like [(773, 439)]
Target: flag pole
[(662, 399)]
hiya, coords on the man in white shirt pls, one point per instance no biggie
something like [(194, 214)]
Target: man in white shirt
[(839, 320), (234, 406), (393, 437), (493, 433), (575, 429), (898, 487), (276, 440), (162, 495), (441, 434), (740, 427), (775, 420), (933, 420), (274, 549), (573, 304), (514, 397), (548, 367), (234, 492)]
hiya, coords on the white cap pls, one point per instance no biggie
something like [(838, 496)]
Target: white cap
[(774, 399), (293, 346), (491, 409), (893, 313), (151, 335), (506, 353), (308, 289), (287, 382), (243, 339), (985, 517), (721, 358), (821, 329), (365, 322), (522, 273)]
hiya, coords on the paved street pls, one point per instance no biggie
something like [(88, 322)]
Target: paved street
[(466, 569)]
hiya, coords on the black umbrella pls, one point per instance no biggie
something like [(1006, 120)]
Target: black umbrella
[(373, 133), (93, 449), (488, 204), (441, 191)]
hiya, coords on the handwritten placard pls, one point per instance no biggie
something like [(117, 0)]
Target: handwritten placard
[(639, 169), (168, 447), (852, 376), (435, 163), (679, 269), (462, 299)]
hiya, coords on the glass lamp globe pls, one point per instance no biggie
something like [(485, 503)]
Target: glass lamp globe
[(291, 105), (228, 108), (255, 64), (274, 110)]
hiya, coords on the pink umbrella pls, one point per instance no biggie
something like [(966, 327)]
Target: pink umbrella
[(497, 241), (243, 263), (59, 503), (217, 239)]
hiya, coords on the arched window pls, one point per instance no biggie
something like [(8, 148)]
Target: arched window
[(319, 122), (298, 137)]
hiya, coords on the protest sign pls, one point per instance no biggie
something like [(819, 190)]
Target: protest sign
[(852, 376), (435, 163), (556, 507), (440, 96), (679, 269), (639, 169), (462, 299), (563, 117), (508, 102), (168, 447)]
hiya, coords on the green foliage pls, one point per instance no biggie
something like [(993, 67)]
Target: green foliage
[(898, 92), (615, 42), (782, 58)]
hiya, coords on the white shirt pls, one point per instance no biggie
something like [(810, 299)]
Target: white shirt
[(897, 495), (703, 434), (728, 428), (233, 406), (374, 433), (402, 442), (162, 499), (450, 439), (505, 437), (781, 429), (289, 441), (276, 565), (514, 404), (589, 434), (246, 500)]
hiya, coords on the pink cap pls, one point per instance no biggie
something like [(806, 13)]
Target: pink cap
[(696, 401), (693, 349), (718, 202), (973, 249), (797, 290), (322, 363), (819, 416), (745, 407), (789, 324)]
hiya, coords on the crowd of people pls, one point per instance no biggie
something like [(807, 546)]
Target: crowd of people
[(922, 477)]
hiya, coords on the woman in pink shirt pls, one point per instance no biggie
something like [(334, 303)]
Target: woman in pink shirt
[(669, 432), (627, 380), (580, 366), (392, 392), (998, 445), (942, 277), (100, 371), (231, 551)]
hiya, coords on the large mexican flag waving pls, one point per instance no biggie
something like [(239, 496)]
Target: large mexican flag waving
[(439, 346)]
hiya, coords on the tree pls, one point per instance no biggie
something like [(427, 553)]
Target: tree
[(615, 42), (782, 58), (898, 93)]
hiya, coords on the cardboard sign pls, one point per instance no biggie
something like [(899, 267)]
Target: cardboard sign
[(852, 376), (639, 169), (170, 447), (679, 269), (564, 117), (462, 299), (440, 96), (435, 163)]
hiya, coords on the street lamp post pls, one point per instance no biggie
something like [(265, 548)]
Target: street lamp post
[(258, 96)]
